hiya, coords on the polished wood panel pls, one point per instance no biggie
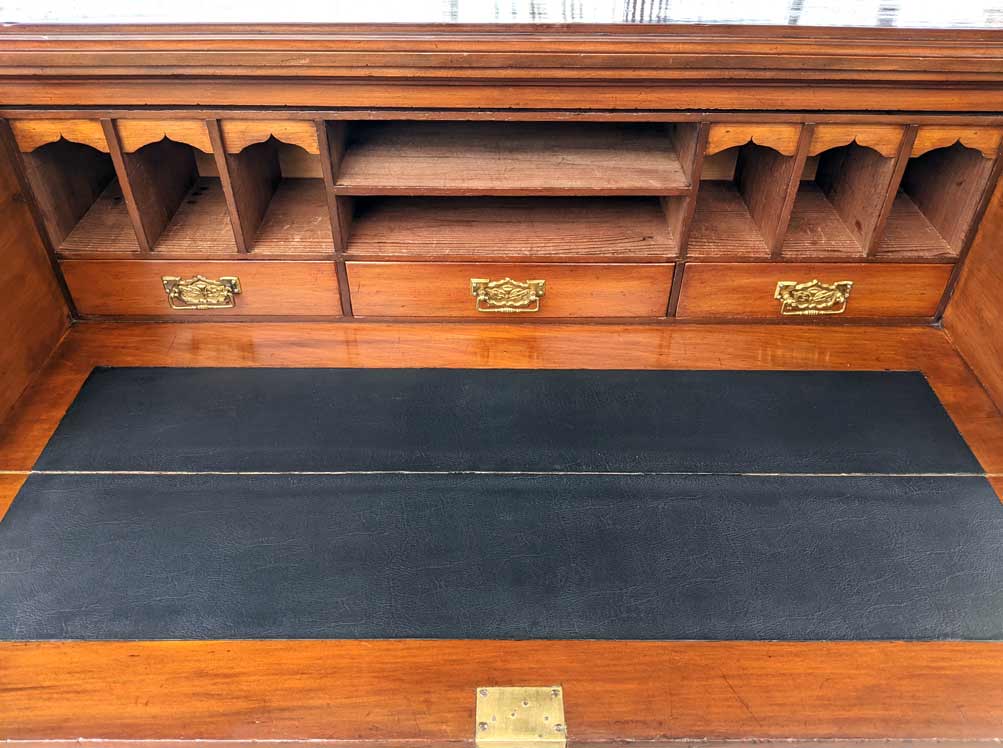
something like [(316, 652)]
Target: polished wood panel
[(414, 289), (238, 134), (512, 229), (985, 140), (488, 345), (33, 314), (32, 133), (126, 288), (712, 290), (424, 690), (135, 133), (419, 158), (974, 318), (884, 139), (781, 138)]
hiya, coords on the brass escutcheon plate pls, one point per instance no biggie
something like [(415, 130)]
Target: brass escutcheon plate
[(812, 298), (520, 717)]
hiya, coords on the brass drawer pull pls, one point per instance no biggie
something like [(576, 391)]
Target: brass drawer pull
[(813, 298), (198, 293), (507, 295)]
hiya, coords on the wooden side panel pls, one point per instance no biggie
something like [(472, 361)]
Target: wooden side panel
[(426, 289), (974, 318), (133, 288), (735, 291), (33, 314)]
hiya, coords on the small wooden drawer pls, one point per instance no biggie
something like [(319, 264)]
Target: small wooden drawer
[(137, 288), (811, 291), (446, 289)]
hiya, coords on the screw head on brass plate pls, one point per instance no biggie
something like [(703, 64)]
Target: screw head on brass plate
[(520, 717)]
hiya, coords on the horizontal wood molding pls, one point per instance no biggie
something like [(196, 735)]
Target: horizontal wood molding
[(34, 133), (984, 140), (884, 139), (781, 138), (134, 134), (424, 690), (238, 134)]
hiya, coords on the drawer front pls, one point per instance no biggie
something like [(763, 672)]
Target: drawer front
[(750, 290), (135, 288), (420, 289)]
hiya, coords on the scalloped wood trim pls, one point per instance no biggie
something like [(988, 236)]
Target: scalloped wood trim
[(135, 133), (34, 133), (984, 140), (885, 139), (781, 138), (238, 134)]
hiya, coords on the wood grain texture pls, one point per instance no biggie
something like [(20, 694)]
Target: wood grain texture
[(511, 229), (434, 289), (487, 345), (474, 158), (909, 235), (32, 133), (105, 227), (201, 223), (856, 181), (974, 317), (781, 138), (947, 185), (816, 230), (722, 225), (984, 140), (33, 315), (767, 181), (67, 179), (424, 690), (884, 139), (238, 134), (712, 290), (135, 133), (297, 221), (130, 288)]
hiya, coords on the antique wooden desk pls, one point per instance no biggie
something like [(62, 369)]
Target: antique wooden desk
[(548, 186)]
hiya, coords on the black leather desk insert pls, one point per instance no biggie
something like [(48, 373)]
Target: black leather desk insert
[(718, 553), (439, 419), (430, 556)]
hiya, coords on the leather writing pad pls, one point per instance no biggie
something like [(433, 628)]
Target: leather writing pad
[(441, 419), (549, 539), (430, 556)]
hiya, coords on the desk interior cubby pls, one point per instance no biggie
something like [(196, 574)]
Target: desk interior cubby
[(839, 202), (276, 180), (180, 210), (73, 179), (939, 196)]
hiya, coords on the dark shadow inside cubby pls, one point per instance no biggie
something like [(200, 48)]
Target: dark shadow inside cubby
[(936, 204), (79, 198), (838, 206)]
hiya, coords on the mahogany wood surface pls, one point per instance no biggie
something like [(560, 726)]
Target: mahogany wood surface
[(424, 690), (419, 158), (718, 290), (441, 289), (121, 288), (33, 314), (30, 134), (974, 317)]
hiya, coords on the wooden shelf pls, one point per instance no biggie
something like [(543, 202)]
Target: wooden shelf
[(201, 224), (816, 231), (723, 227), (909, 235), (105, 227), (514, 158), (575, 230), (297, 221)]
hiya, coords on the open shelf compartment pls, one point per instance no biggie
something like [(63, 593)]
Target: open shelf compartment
[(937, 203), (73, 179), (510, 159), (623, 229)]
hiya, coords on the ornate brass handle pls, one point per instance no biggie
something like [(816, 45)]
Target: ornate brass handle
[(507, 295), (813, 298), (198, 293)]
